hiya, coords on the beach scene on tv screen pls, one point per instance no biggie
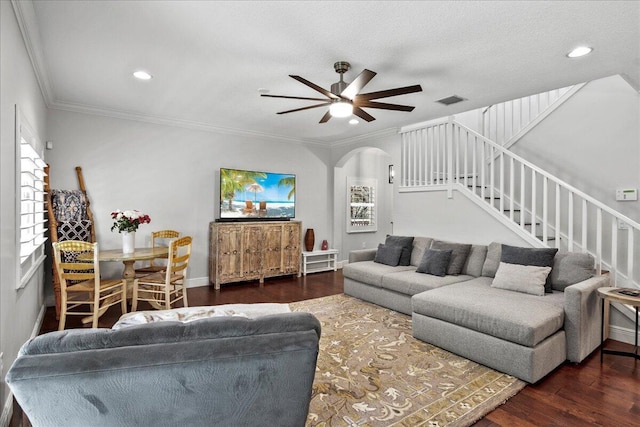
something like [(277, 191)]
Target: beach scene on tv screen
[(252, 194)]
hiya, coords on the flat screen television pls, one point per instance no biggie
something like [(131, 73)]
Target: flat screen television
[(252, 195)]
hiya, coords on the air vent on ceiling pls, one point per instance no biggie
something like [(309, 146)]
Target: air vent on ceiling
[(451, 100)]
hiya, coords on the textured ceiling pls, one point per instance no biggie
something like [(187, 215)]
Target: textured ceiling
[(209, 58)]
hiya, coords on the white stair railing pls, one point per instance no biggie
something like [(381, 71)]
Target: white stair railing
[(446, 155), (507, 122)]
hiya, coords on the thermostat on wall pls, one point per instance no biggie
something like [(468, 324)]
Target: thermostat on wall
[(627, 194)]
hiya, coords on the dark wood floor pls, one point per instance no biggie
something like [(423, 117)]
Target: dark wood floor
[(591, 393)]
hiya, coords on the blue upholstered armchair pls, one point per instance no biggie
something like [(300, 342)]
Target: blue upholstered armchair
[(219, 371)]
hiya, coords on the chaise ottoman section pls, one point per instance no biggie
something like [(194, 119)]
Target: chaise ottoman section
[(520, 318), (527, 363)]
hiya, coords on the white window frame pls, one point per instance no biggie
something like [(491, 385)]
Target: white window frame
[(30, 203), (367, 223)]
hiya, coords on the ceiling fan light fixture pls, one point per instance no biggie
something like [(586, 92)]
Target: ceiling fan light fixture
[(341, 109), (142, 75), (580, 51)]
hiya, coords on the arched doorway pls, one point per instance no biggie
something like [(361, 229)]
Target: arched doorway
[(364, 163)]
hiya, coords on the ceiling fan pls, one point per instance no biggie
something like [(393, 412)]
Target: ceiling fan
[(345, 99)]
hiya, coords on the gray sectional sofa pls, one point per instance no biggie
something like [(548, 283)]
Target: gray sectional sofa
[(523, 335)]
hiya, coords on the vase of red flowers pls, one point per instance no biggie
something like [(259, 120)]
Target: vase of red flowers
[(127, 222)]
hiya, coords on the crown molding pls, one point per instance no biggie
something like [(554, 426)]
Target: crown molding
[(187, 124), (358, 138), (26, 17)]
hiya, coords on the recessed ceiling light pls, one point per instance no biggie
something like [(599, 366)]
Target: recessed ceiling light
[(580, 51), (353, 122), (142, 75), (263, 90)]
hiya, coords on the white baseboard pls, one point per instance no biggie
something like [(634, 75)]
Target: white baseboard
[(196, 282), (622, 334)]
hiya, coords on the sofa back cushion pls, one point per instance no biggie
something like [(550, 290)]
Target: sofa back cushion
[(419, 246), (475, 261), (491, 263), (460, 252), (570, 268)]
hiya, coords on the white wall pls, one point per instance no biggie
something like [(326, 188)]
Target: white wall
[(172, 174), (18, 308), (592, 142)]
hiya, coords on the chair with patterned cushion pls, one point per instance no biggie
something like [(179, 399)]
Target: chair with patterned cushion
[(165, 288), (80, 283), (158, 238), (70, 218)]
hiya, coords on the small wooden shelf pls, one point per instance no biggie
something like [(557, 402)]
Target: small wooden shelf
[(316, 261)]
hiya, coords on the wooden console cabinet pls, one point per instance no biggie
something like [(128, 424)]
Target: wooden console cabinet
[(241, 251)]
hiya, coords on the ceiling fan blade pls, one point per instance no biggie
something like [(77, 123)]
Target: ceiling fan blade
[(363, 114), (295, 97), (315, 87), (357, 84), (305, 108), (384, 106), (387, 93), (326, 117)]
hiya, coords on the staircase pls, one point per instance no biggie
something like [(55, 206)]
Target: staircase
[(444, 155), (509, 121)]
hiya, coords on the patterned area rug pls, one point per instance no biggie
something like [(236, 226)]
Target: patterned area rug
[(372, 372)]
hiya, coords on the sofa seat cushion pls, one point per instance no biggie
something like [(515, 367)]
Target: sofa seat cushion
[(513, 316), (411, 282), (370, 272)]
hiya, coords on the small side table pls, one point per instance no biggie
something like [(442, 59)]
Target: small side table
[(609, 295), (315, 261)]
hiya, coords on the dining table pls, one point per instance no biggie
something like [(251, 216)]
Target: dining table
[(128, 259)]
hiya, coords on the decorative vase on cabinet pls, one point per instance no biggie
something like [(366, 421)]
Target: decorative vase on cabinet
[(309, 240)]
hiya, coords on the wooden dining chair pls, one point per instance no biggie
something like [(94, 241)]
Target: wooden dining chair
[(80, 283), (163, 289), (157, 238)]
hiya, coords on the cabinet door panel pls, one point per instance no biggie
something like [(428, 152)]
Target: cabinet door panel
[(272, 250), (229, 253), (251, 252), (291, 248)]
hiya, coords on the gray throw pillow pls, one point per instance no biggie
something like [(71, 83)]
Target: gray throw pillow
[(406, 242), (388, 255), (420, 244), (570, 268), (435, 261), (490, 266), (539, 257), (528, 279), (459, 254)]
